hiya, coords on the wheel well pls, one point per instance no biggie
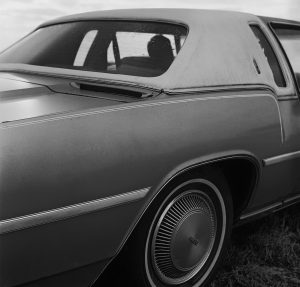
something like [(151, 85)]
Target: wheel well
[(241, 174)]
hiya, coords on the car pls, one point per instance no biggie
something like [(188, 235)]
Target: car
[(133, 141)]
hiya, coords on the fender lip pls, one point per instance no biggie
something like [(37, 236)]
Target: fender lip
[(184, 167)]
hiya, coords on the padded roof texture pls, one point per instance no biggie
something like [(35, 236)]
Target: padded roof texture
[(219, 49)]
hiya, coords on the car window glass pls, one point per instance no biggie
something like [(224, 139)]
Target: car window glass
[(270, 55), (125, 40), (145, 49), (290, 41)]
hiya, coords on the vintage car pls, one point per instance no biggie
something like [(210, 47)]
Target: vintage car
[(132, 141)]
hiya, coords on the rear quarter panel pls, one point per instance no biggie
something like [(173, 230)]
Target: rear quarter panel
[(53, 162)]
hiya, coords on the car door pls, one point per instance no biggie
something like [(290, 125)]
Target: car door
[(280, 180), (288, 45)]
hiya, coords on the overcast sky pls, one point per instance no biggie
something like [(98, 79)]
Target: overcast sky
[(18, 17)]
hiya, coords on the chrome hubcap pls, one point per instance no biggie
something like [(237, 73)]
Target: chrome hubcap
[(184, 237)]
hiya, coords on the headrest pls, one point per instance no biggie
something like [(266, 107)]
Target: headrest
[(159, 47)]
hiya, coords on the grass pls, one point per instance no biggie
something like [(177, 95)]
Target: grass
[(264, 253)]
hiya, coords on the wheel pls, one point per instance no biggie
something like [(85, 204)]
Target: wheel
[(183, 236)]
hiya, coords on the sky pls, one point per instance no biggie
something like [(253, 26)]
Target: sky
[(19, 17)]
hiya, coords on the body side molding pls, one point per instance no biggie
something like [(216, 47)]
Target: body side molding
[(272, 208), (40, 218), (281, 158), (262, 210), (43, 119)]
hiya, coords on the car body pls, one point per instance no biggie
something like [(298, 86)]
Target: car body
[(84, 153)]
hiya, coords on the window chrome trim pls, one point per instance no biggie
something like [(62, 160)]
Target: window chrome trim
[(53, 215)]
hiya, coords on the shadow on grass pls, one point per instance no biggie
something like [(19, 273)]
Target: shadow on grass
[(263, 253)]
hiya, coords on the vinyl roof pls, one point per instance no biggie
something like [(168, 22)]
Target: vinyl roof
[(219, 49), (186, 16)]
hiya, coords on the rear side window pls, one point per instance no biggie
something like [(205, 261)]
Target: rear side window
[(140, 57), (270, 55), (290, 41), (145, 49)]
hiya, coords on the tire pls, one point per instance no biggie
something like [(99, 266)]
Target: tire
[(183, 236)]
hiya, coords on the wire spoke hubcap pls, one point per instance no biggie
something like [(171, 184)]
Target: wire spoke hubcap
[(184, 237)]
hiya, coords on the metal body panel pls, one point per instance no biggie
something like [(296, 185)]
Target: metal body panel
[(20, 100), (78, 277), (65, 160), (281, 171), (290, 111), (82, 151), (50, 249), (63, 213)]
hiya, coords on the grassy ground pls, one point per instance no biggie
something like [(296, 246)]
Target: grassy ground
[(264, 253)]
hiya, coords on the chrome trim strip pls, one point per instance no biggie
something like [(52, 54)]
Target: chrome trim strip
[(262, 210), (287, 98), (40, 218), (50, 118), (281, 158), (292, 199), (280, 205)]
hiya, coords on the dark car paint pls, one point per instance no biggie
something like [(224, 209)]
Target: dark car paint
[(122, 144), (25, 100), (90, 148)]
